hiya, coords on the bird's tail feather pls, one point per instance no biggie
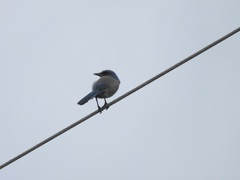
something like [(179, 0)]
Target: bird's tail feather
[(88, 97)]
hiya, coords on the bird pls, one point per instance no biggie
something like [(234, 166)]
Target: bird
[(105, 87)]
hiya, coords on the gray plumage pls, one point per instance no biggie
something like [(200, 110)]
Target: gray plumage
[(105, 87)]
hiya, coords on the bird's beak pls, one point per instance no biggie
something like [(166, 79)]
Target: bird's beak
[(97, 74)]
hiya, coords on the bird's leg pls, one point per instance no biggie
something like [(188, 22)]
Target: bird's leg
[(99, 108), (105, 104)]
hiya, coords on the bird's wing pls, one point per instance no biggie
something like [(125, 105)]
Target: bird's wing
[(91, 95)]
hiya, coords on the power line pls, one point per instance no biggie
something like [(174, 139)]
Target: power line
[(121, 97)]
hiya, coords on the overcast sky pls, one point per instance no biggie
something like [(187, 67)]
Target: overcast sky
[(183, 126)]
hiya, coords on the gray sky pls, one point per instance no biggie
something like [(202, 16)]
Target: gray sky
[(183, 126)]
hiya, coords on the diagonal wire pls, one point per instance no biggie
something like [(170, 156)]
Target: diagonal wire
[(121, 97)]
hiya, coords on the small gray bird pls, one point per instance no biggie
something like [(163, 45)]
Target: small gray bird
[(105, 87)]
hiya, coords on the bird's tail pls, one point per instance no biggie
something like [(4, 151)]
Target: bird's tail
[(88, 97)]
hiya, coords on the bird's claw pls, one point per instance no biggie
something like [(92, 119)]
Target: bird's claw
[(106, 106), (99, 109)]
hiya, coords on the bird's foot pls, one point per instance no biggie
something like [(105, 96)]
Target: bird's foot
[(99, 109), (106, 106)]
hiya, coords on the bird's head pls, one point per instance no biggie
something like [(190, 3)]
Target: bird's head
[(107, 73)]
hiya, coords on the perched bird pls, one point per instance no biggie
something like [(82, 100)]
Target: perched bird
[(105, 87)]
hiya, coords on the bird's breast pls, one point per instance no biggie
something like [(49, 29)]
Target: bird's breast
[(107, 85)]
